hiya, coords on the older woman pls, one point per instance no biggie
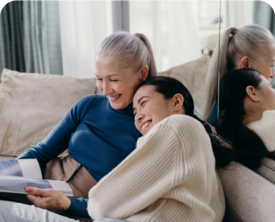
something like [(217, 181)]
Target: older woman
[(94, 127), (250, 46)]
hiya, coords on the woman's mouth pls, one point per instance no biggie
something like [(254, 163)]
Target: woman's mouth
[(145, 126), (113, 98)]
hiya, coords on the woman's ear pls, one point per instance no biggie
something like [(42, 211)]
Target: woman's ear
[(252, 93), (143, 73), (245, 63), (177, 103)]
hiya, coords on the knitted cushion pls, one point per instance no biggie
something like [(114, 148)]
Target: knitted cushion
[(32, 104)]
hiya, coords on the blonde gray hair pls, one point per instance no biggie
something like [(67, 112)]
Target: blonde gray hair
[(133, 50), (252, 41)]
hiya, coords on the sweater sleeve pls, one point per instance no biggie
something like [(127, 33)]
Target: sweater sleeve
[(58, 139), (78, 207), (142, 178)]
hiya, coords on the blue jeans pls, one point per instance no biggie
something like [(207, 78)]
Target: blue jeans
[(17, 212)]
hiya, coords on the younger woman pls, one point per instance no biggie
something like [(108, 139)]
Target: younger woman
[(171, 175), (247, 102), (250, 46)]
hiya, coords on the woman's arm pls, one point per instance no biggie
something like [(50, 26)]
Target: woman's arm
[(143, 177), (54, 144)]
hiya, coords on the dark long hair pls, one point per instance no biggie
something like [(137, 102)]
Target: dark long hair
[(168, 87), (248, 147)]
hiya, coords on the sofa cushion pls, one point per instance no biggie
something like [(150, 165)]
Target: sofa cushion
[(192, 75), (32, 104), (249, 197)]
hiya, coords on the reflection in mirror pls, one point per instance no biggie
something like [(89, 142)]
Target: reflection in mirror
[(238, 40), (247, 97)]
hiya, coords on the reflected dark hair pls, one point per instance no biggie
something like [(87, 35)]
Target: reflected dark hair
[(248, 147), (168, 87)]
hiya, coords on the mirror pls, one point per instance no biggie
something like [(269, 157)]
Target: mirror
[(238, 13)]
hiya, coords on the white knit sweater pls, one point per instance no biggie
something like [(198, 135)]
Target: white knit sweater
[(169, 177), (265, 129)]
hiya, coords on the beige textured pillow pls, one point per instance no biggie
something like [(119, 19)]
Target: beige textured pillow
[(32, 104), (192, 75)]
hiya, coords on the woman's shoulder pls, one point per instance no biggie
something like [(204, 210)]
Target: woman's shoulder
[(182, 126), (264, 128), (268, 115), (94, 101), (177, 125), (182, 122)]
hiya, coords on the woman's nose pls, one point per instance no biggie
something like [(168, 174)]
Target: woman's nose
[(139, 117), (106, 89)]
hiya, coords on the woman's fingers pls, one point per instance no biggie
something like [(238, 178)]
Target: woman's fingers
[(49, 199), (38, 192), (36, 200)]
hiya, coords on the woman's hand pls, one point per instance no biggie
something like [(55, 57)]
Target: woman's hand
[(50, 199)]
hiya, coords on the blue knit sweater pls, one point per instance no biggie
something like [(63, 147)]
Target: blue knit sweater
[(98, 137)]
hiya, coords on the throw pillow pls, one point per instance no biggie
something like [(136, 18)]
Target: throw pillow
[(32, 104)]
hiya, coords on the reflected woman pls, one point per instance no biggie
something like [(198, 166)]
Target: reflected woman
[(247, 102), (251, 47)]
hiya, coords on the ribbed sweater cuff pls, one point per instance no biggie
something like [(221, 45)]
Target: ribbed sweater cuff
[(78, 207)]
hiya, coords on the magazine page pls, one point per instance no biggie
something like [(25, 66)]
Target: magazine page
[(15, 184), (30, 168), (61, 186), (21, 168)]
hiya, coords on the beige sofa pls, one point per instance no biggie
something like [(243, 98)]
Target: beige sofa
[(32, 104)]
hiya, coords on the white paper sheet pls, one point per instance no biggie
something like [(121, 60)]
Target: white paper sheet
[(30, 168)]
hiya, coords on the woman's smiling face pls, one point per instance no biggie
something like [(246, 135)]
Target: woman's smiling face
[(116, 82), (150, 107)]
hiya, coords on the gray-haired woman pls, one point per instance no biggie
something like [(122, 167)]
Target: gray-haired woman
[(98, 130), (250, 46)]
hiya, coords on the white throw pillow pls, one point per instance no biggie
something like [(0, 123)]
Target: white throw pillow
[(32, 104)]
